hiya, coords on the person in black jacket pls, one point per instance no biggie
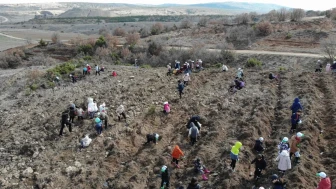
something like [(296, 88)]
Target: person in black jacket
[(165, 177), (72, 114), (193, 184), (194, 119), (278, 183), (260, 165), (65, 121), (153, 138), (258, 146)]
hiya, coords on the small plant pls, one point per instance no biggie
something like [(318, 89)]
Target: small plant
[(42, 43), (61, 69), (27, 92), (146, 66), (288, 36), (33, 87), (228, 56), (51, 84), (253, 62), (282, 68), (87, 58), (151, 110)]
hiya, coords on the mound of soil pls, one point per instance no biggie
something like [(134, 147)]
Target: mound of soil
[(33, 155)]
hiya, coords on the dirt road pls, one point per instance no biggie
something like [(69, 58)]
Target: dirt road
[(3, 19)]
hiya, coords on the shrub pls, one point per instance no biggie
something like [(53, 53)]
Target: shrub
[(33, 75), (202, 22), (151, 110), (242, 18), (112, 41), (55, 37), (146, 66), (132, 39), (102, 52), (33, 87), (87, 58), (156, 29), (125, 52), (86, 49), (253, 62), (119, 32), (297, 14), (228, 56), (144, 32), (12, 58), (42, 43), (51, 84), (288, 36), (282, 14), (65, 68), (104, 31), (264, 28), (100, 42), (185, 24), (154, 48)]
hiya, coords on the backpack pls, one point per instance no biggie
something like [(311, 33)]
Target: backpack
[(270, 76)]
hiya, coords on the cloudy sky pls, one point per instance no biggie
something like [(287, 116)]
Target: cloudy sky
[(305, 4)]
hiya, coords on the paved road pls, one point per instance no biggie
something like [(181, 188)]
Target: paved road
[(4, 19)]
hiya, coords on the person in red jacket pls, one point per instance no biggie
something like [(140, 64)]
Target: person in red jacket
[(88, 69), (176, 154), (325, 182)]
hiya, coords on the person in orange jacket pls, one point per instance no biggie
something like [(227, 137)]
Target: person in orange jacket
[(177, 154)]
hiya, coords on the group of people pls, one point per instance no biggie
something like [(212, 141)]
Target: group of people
[(87, 69), (329, 68)]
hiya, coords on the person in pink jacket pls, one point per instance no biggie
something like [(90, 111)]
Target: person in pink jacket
[(166, 107), (325, 182)]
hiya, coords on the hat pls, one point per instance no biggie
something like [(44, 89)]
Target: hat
[(87, 64), (97, 120), (261, 139), (319, 61), (239, 68), (285, 139), (299, 134), (163, 169), (261, 188), (274, 176), (321, 174), (165, 103)]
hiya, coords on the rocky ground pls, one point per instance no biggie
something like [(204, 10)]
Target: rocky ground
[(34, 156)]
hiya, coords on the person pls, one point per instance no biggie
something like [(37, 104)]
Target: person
[(242, 84), (103, 116), (153, 138), (102, 69), (186, 78), (284, 162), (80, 113), (198, 66), (295, 119), (85, 142), (99, 126), (88, 69), (166, 107), (318, 66), (180, 88), (72, 113), (273, 76), (193, 133), (65, 121), (73, 78), (294, 146), (199, 167), (92, 107), (260, 165), (176, 154), (333, 67), (234, 155), (325, 182), (240, 73), (239, 83), (224, 68), (114, 73), (165, 177), (278, 183), (169, 69), (193, 184), (283, 145), (192, 65), (296, 105), (121, 112), (97, 69), (85, 71), (196, 120), (177, 65), (328, 68), (258, 146), (200, 63)]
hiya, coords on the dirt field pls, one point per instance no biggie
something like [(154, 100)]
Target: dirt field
[(6, 42), (117, 159)]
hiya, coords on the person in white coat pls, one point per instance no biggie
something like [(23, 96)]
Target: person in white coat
[(224, 68), (186, 78), (284, 161), (121, 112), (85, 142)]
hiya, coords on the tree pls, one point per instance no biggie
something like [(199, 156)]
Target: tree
[(253, 16), (328, 47), (272, 15), (202, 22), (156, 29), (326, 24), (331, 13), (101, 42), (119, 32), (132, 39), (185, 24), (264, 28), (242, 18), (282, 14), (154, 48), (297, 14)]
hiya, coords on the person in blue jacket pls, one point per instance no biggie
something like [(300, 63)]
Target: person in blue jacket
[(296, 119), (180, 87), (296, 105)]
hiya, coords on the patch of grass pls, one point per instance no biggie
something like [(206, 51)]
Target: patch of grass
[(253, 62), (151, 110), (33, 87), (27, 92), (51, 84), (282, 68), (288, 36), (87, 58), (146, 66)]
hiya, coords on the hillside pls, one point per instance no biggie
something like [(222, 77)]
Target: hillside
[(32, 153)]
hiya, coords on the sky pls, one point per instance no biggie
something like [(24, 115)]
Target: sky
[(305, 4)]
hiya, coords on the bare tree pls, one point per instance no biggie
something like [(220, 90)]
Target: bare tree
[(331, 13), (253, 16), (242, 18), (272, 15), (282, 14), (185, 24), (156, 29), (132, 39), (55, 37), (328, 47), (264, 28), (202, 22), (119, 32), (297, 14)]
